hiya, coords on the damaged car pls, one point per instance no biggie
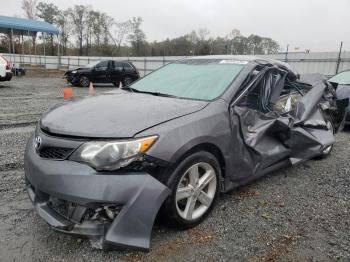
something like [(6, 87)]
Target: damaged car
[(105, 166), (343, 89)]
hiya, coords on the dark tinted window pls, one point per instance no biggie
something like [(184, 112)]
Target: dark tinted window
[(118, 65), (127, 66), (102, 65)]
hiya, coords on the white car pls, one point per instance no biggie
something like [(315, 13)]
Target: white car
[(5, 69)]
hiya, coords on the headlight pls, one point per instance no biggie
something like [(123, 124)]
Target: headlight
[(112, 155), (74, 72)]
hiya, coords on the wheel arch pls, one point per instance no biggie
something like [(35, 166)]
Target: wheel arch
[(205, 146)]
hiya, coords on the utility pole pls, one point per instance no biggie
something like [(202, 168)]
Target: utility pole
[(339, 57), (286, 55)]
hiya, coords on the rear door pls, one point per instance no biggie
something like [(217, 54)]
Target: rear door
[(128, 69)]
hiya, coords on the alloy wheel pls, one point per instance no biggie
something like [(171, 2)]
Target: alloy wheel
[(84, 81), (196, 191)]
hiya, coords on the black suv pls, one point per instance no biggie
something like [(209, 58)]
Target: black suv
[(107, 71)]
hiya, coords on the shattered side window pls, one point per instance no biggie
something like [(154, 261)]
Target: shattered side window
[(273, 91)]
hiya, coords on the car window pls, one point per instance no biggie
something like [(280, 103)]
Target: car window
[(118, 65), (203, 81), (127, 66), (102, 65), (342, 78)]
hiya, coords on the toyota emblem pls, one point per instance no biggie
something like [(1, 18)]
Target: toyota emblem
[(37, 142)]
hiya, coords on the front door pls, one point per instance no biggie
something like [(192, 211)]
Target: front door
[(116, 72), (100, 73), (280, 119)]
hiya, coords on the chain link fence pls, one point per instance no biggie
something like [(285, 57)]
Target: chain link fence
[(327, 63)]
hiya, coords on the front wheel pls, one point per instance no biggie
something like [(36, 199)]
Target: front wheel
[(194, 188), (84, 81)]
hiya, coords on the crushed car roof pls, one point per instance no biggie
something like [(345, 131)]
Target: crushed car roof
[(246, 58)]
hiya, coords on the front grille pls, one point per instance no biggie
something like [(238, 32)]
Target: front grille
[(73, 212), (55, 152)]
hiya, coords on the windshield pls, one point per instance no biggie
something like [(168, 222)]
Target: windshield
[(193, 79), (342, 78), (92, 64)]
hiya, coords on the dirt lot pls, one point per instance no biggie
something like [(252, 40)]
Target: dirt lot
[(296, 214)]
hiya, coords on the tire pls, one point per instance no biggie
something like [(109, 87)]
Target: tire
[(84, 81), (191, 201), (127, 81)]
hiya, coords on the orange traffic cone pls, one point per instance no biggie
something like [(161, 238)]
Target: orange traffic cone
[(120, 84), (91, 89), (67, 93)]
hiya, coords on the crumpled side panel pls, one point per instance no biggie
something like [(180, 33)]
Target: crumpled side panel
[(299, 135)]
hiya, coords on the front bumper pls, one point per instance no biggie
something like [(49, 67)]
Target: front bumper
[(138, 194), (72, 78)]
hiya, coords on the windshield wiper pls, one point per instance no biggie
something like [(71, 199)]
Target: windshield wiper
[(148, 92), (130, 89)]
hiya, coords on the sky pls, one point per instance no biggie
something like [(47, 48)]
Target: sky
[(316, 25)]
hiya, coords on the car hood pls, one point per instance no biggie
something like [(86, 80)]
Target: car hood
[(118, 114)]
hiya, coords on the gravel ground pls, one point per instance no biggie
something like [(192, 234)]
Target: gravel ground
[(296, 214)]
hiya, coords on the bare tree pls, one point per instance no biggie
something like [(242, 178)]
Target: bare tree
[(90, 19), (65, 27), (96, 28), (78, 15), (203, 34), (120, 33), (269, 46), (106, 23), (233, 34), (49, 13), (137, 37), (29, 8)]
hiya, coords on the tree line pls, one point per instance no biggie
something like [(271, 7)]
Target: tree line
[(89, 32)]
